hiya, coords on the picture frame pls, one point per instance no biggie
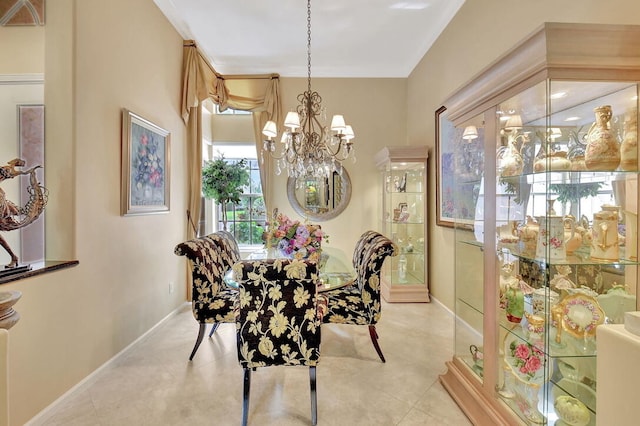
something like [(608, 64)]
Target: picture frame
[(459, 169), (444, 171), (146, 160)]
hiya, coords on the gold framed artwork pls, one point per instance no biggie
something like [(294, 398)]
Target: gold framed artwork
[(146, 161)]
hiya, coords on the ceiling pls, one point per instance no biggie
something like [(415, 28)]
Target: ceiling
[(349, 38)]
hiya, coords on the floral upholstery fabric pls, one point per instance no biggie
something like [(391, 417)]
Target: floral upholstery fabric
[(359, 303), (277, 322), (210, 257)]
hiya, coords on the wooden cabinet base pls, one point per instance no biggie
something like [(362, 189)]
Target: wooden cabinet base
[(400, 293), (467, 392)]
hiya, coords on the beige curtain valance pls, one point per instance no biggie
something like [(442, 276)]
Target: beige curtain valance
[(254, 93)]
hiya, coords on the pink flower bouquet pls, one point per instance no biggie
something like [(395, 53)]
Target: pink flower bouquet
[(294, 239)]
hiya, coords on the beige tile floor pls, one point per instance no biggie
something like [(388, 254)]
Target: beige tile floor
[(153, 383)]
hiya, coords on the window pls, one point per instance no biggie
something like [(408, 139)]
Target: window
[(230, 111), (246, 219)]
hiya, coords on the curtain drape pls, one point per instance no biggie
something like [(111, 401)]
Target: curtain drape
[(259, 94)]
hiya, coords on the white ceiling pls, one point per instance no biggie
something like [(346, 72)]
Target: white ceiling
[(349, 38)]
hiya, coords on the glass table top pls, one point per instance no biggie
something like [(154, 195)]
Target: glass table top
[(336, 271)]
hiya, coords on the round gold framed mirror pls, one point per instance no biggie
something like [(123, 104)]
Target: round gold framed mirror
[(320, 199)]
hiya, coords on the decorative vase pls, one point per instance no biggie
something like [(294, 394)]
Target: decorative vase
[(543, 300), (551, 237), (507, 280), (571, 235), (535, 328), (510, 160), (528, 235), (629, 145), (514, 304), (603, 151), (604, 245)]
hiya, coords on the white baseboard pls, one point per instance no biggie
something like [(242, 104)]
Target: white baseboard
[(47, 410)]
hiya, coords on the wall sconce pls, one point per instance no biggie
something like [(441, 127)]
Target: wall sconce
[(513, 123), (470, 133)]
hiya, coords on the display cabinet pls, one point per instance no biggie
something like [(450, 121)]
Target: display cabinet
[(403, 219), (550, 252)]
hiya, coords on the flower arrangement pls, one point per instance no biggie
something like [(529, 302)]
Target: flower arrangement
[(527, 359), (295, 239), (147, 162)]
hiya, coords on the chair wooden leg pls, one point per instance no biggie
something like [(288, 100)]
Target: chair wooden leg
[(374, 339), (245, 396), (198, 340), (214, 327), (314, 396)]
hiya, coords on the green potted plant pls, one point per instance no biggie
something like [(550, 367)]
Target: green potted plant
[(224, 182)]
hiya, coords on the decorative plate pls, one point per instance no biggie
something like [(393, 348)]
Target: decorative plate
[(581, 314)]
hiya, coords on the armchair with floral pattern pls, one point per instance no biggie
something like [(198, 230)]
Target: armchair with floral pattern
[(359, 303), (277, 322), (210, 257)]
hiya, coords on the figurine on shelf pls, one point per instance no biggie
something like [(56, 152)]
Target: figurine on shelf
[(515, 290), (403, 216), (400, 183), (561, 281)]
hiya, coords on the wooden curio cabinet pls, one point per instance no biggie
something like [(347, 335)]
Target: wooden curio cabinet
[(551, 252)]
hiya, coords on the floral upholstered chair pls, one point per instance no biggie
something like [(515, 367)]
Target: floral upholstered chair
[(359, 303), (210, 257), (277, 322)]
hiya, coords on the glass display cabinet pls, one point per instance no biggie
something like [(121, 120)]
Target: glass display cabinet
[(403, 173), (551, 253)]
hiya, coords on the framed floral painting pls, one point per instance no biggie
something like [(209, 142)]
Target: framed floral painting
[(145, 166), (444, 170)]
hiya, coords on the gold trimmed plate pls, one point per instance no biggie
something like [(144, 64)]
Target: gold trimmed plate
[(581, 315)]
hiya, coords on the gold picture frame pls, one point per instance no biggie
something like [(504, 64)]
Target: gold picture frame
[(146, 159)]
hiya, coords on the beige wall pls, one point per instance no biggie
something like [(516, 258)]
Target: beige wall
[(126, 54), (15, 58), (376, 110), (480, 33)]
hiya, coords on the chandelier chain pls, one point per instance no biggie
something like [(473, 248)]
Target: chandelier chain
[(309, 45)]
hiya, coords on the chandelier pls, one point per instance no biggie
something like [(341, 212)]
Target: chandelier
[(310, 148)]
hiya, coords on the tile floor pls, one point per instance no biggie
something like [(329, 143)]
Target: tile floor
[(153, 383)]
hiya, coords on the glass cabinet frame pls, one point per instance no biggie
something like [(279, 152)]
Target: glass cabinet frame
[(525, 341)]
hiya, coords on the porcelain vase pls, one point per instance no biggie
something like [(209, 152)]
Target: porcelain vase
[(603, 151), (629, 145), (604, 243)]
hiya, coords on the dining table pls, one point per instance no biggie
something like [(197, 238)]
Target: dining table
[(335, 270)]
